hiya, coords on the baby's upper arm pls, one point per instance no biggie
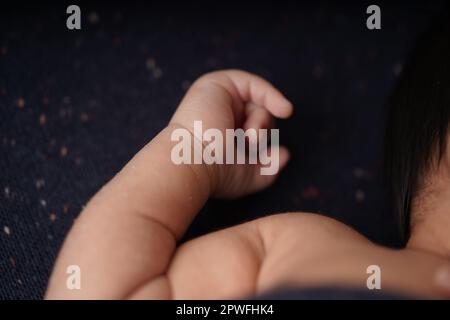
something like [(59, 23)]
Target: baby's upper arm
[(222, 264)]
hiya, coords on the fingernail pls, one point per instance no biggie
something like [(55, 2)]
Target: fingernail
[(442, 278)]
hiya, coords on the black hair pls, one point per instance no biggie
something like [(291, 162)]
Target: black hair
[(418, 119)]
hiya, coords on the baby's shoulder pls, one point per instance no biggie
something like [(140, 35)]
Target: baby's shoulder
[(306, 226)]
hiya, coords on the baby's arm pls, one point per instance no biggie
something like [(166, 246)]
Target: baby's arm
[(127, 234)]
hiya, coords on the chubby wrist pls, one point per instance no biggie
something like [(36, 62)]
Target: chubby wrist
[(181, 143)]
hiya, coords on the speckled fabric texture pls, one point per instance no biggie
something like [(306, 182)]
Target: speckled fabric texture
[(75, 106)]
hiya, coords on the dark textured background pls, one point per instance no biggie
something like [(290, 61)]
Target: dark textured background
[(76, 105)]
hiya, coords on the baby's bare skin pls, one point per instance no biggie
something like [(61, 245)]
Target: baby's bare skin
[(125, 240), (289, 250)]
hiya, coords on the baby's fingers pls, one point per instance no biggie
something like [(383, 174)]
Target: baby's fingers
[(260, 181), (256, 117), (254, 89)]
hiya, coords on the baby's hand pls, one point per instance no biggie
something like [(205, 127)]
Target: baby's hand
[(233, 99)]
